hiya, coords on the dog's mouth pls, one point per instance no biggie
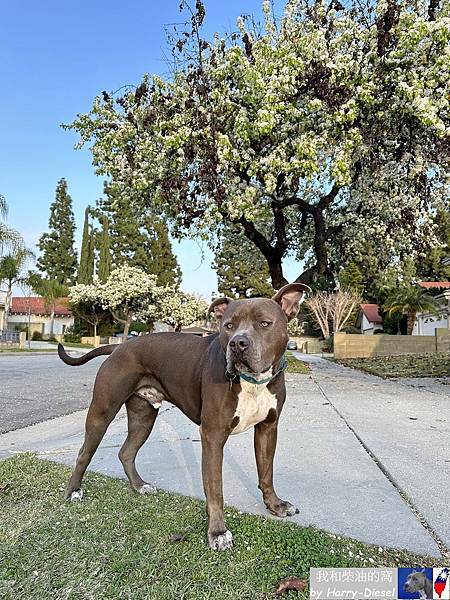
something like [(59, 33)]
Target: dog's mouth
[(243, 363)]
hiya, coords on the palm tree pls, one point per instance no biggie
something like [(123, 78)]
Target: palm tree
[(410, 300), (11, 272), (9, 238), (51, 290)]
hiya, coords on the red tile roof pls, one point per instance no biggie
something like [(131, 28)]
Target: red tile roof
[(372, 312), (434, 284), (21, 305)]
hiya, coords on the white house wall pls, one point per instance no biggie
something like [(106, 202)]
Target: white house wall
[(40, 323), (427, 323)]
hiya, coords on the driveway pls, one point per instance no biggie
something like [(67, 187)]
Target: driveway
[(360, 456)]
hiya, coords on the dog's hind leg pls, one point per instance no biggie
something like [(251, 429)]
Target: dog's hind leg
[(141, 418), (96, 427), (110, 393)]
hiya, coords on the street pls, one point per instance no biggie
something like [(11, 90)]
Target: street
[(35, 388)]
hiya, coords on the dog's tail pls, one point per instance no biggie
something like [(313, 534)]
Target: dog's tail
[(70, 360)]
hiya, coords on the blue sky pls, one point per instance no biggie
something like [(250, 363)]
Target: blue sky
[(55, 57)]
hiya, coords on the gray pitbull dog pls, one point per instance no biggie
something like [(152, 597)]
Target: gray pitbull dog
[(225, 383), (418, 582)]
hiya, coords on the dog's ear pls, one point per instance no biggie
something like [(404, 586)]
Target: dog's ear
[(290, 297), (219, 306)]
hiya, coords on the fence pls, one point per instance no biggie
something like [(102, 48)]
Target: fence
[(364, 346), (12, 339)]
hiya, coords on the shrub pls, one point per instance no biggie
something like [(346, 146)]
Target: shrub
[(72, 336), (37, 336)]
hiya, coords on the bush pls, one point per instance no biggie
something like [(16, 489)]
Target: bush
[(37, 336), (72, 336)]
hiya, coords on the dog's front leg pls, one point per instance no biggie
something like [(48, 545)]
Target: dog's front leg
[(265, 445), (219, 538)]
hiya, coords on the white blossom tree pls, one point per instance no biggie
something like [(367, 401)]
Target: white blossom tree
[(330, 128), (129, 293), (180, 308), (86, 302)]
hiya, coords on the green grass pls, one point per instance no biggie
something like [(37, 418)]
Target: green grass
[(295, 365), (117, 544), (27, 350), (407, 365)]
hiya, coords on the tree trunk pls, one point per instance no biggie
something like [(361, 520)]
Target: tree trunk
[(126, 329), (410, 322), (276, 272), (52, 322), (95, 330)]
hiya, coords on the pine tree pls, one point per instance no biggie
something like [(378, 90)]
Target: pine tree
[(163, 263), (351, 278), (58, 259), (104, 260), (241, 269), (86, 268), (139, 240)]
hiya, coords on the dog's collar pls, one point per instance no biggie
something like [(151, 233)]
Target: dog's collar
[(239, 377)]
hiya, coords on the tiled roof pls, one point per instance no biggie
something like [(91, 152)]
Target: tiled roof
[(36, 306), (372, 312), (434, 284)]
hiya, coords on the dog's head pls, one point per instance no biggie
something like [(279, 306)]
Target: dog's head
[(415, 582), (253, 333)]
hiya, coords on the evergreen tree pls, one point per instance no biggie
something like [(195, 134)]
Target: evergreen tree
[(164, 264), (104, 260), (351, 278), (86, 268), (241, 269), (139, 240), (58, 259)]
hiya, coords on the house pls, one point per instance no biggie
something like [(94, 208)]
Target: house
[(369, 319), (34, 312), (427, 323)]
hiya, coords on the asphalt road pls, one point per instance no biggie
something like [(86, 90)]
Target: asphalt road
[(34, 388)]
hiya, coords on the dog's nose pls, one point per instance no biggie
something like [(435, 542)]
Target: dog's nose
[(239, 342)]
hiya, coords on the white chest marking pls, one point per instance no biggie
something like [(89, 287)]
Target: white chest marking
[(254, 403)]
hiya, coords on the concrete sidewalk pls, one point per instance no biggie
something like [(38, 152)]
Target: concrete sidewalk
[(321, 465)]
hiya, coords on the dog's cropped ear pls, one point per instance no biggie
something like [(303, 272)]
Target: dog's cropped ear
[(290, 297), (219, 306)]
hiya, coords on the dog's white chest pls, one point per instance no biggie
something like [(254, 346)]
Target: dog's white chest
[(254, 403)]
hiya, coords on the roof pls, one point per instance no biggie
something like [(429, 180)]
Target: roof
[(434, 284), (21, 305), (372, 312)]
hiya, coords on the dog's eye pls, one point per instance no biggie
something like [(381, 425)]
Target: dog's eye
[(229, 326), (264, 323)]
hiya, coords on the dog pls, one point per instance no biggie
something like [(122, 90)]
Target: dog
[(225, 383), (417, 581)]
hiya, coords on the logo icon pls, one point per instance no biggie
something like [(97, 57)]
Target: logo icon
[(441, 583), (415, 583)]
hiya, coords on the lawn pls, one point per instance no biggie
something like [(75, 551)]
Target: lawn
[(296, 366), (410, 365), (118, 544)]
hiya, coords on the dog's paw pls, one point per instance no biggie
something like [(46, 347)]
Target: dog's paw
[(75, 496), (283, 509), (222, 541), (146, 489)]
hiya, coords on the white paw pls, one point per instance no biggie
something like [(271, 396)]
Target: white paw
[(224, 541), (76, 496), (147, 489), (292, 510)]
